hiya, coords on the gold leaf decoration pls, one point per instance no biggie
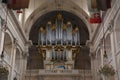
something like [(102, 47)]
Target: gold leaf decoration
[(49, 22), (59, 16), (69, 47), (64, 27), (59, 48), (54, 27), (41, 29), (76, 29), (73, 32)]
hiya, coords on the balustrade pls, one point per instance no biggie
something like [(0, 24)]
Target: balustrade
[(58, 72)]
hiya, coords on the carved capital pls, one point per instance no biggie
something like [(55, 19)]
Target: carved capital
[(15, 42), (25, 55), (92, 55), (29, 43), (111, 26), (89, 43)]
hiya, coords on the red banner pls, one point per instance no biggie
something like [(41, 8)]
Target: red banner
[(18, 4), (19, 11), (96, 18)]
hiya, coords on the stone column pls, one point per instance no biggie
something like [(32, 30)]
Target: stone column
[(102, 54), (2, 35), (14, 45), (24, 65), (21, 66), (102, 58), (93, 59), (113, 47)]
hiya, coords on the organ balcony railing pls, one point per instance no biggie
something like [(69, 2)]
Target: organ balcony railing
[(58, 72)]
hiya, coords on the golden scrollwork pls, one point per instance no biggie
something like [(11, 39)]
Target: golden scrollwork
[(76, 29), (69, 23), (59, 48), (73, 32), (44, 32), (49, 47), (77, 49), (59, 16), (54, 27), (42, 51), (44, 54), (69, 47), (49, 22), (74, 54), (64, 27), (41, 29)]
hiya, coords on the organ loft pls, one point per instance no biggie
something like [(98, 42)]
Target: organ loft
[(59, 44)]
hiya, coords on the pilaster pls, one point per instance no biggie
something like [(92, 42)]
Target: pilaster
[(14, 46), (24, 65), (2, 34)]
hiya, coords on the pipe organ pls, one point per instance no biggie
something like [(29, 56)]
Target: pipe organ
[(59, 44)]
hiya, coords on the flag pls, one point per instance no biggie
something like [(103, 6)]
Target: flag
[(108, 3), (93, 4), (103, 4), (96, 18), (19, 11), (16, 4), (7, 1)]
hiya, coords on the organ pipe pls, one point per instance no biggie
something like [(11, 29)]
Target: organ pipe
[(59, 33)]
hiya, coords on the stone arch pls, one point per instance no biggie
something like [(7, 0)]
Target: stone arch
[(33, 36), (8, 46), (36, 14)]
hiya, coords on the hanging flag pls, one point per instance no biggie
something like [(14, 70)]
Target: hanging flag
[(96, 15), (96, 18), (7, 1), (16, 4), (19, 11), (93, 4), (108, 3), (103, 4)]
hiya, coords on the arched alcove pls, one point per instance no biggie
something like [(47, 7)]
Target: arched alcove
[(35, 57), (8, 47)]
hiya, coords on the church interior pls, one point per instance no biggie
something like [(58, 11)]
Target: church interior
[(59, 39)]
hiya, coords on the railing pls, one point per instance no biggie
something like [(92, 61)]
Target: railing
[(58, 72)]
